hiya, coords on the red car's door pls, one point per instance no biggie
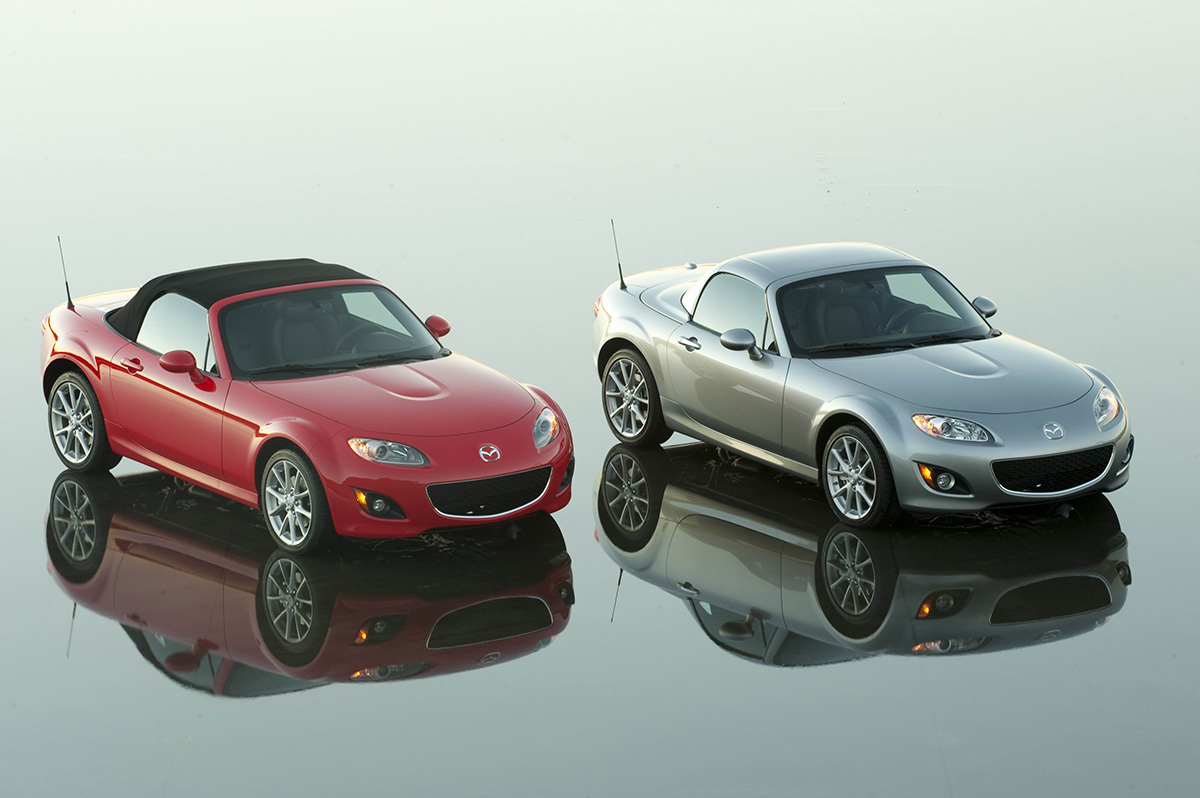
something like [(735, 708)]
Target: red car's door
[(167, 413)]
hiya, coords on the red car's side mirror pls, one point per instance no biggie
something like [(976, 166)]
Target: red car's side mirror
[(437, 325), (181, 361)]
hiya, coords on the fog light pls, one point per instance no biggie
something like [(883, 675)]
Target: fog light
[(378, 505), (379, 630), (1128, 452), (944, 603), (943, 481)]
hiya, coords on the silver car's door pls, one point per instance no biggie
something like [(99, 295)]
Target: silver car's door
[(725, 390)]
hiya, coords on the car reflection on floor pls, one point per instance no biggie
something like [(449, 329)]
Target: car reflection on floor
[(771, 576), (209, 601)]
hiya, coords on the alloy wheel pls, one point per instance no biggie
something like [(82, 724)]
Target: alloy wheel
[(288, 503), (850, 477), (850, 573), (289, 600), (626, 398), (72, 423), (74, 521), (626, 492)]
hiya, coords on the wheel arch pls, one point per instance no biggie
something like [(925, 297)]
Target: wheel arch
[(877, 421), (268, 448), (64, 363)]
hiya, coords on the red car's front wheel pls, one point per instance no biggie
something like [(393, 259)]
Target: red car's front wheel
[(293, 503)]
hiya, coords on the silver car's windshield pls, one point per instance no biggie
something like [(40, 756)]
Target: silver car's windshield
[(875, 310)]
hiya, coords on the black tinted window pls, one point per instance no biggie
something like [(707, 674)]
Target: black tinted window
[(731, 303), (175, 322)]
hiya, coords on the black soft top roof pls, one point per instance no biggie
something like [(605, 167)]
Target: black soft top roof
[(209, 285)]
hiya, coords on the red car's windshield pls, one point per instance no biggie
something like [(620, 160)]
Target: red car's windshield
[(319, 330)]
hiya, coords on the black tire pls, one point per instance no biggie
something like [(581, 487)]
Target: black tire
[(76, 425), (77, 523), (856, 579), (289, 489), (629, 498), (866, 491), (293, 608), (627, 389)]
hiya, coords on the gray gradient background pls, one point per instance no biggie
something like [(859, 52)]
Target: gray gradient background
[(470, 155)]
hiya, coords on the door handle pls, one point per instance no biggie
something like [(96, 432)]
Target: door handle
[(690, 344), (686, 587), (132, 365)]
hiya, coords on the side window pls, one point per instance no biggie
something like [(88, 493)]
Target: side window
[(175, 322), (729, 303)]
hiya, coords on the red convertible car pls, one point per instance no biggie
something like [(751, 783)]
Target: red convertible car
[(305, 389)]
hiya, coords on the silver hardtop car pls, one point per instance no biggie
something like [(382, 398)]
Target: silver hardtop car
[(863, 369)]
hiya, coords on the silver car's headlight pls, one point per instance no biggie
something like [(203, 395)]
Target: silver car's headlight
[(950, 429), (546, 428), (389, 452), (1105, 407)]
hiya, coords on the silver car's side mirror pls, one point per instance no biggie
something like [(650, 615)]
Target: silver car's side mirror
[(741, 340), (985, 306), (738, 631)]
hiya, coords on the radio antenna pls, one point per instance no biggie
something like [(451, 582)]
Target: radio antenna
[(620, 273), (620, 574), (70, 304), (71, 633)]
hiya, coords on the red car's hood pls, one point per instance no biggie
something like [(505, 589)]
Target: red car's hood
[(451, 395)]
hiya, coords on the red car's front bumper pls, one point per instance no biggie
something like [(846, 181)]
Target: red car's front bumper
[(453, 459)]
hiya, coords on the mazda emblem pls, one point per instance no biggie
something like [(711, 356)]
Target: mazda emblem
[(1053, 432), (490, 454)]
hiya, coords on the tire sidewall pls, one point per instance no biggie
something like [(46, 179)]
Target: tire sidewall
[(654, 431), (865, 624), (100, 456), (884, 505), (295, 655), (320, 528)]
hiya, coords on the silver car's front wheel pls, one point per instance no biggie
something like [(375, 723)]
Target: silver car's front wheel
[(631, 404), (856, 477), (850, 573), (850, 477)]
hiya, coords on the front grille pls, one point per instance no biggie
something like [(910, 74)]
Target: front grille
[(1052, 598), (480, 498), (1052, 474), (497, 619)]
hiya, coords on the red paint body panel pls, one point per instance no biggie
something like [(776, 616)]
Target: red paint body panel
[(212, 432)]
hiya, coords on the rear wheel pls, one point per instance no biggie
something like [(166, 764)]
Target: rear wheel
[(293, 503), (77, 425), (631, 403), (857, 479)]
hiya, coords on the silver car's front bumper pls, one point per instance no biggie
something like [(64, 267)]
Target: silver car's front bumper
[(1016, 437)]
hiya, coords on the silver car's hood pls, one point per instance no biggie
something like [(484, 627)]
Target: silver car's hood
[(995, 375)]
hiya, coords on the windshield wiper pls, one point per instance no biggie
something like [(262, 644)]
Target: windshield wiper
[(295, 368), (389, 358), (854, 346), (943, 338)]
